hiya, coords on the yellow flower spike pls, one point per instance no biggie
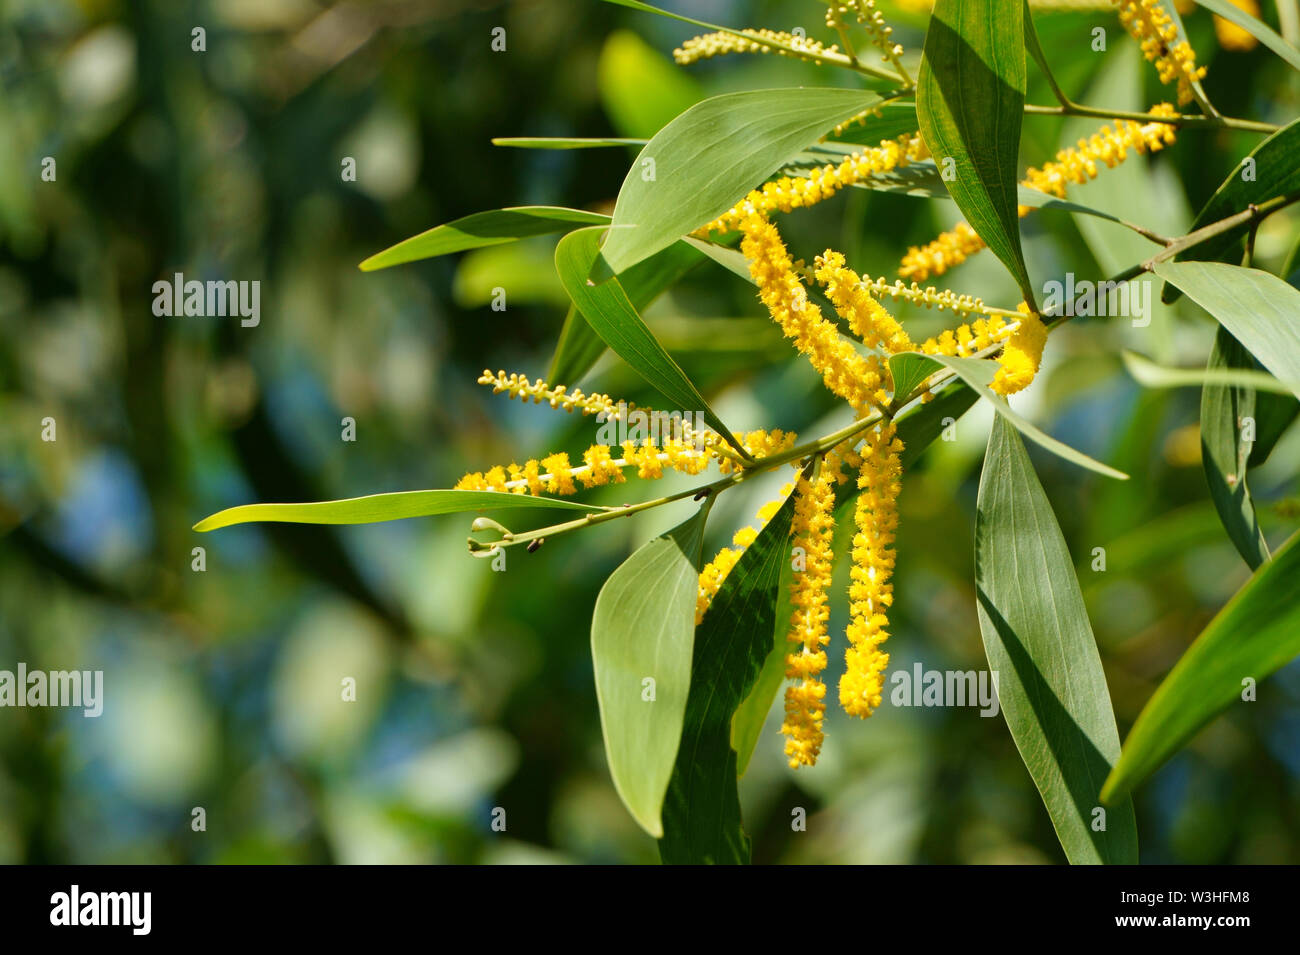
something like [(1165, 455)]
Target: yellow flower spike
[(555, 475), (796, 192), (946, 251), (717, 44), (1233, 37), (1077, 164), (851, 376), (871, 590), (812, 527), (557, 396), (1021, 354), (869, 320), (1154, 30)]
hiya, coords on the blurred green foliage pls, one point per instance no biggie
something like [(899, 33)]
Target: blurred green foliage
[(474, 688)]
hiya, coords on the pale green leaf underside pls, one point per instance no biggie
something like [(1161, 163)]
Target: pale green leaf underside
[(643, 628), (1050, 682)]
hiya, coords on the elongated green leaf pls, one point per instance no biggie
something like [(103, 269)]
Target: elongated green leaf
[(1256, 633), (970, 98), (1259, 310), (977, 373), (702, 821), (642, 633), (610, 314), (580, 347), (909, 370), (1224, 409), (917, 427), (384, 507), (1269, 171), (572, 142), (1256, 28), (1040, 645), (709, 157), (1146, 372), (481, 229)]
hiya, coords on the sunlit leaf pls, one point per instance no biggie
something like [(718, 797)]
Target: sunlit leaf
[(970, 98), (642, 634), (385, 507)]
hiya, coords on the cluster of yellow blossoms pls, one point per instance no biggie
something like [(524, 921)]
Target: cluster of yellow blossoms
[(754, 41), (1077, 164), (863, 381), (1155, 31)]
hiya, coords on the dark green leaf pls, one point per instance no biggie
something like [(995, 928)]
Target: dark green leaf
[(970, 98), (1255, 634), (1040, 645), (702, 821)]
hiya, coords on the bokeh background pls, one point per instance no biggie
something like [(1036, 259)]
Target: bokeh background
[(474, 687)]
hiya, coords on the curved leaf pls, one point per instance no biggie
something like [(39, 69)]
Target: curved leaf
[(702, 821), (643, 629), (1275, 172), (480, 229), (385, 507), (1256, 28), (706, 160), (1255, 634), (1224, 454), (970, 99), (608, 311), (572, 142), (580, 347), (1040, 645), (1259, 310), (1218, 374), (977, 373)]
